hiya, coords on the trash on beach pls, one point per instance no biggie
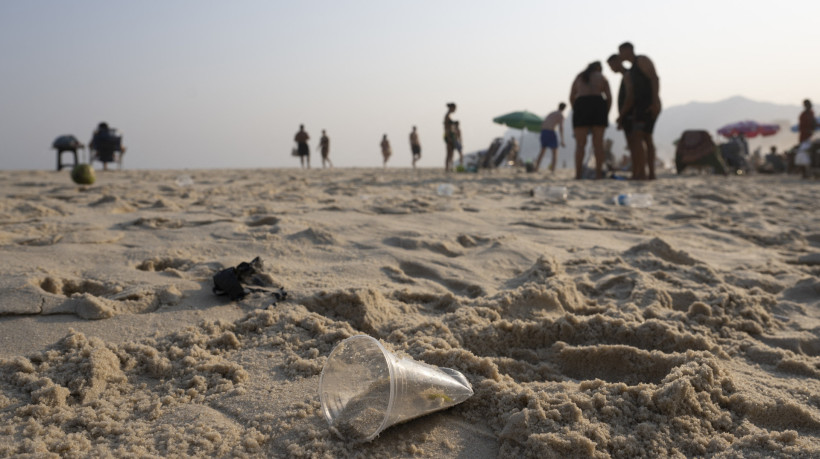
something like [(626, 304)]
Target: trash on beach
[(552, 193), (633, 200), (184, 181), (230, 281), (445, 189), (365, 389)]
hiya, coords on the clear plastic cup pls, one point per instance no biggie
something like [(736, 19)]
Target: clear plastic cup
[(365, 389)]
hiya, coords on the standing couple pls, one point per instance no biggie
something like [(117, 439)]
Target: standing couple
[(638, 107)]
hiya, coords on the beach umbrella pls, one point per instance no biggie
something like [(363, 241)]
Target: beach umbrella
[(524, 120), (521, 120), (748, 129), (796, 127)]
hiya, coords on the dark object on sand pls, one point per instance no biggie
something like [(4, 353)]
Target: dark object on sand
[(230, 281), (66, 144), (83, 174), (697, 149)]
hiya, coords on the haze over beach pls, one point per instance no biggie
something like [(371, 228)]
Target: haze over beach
[(684, 325), (225, 85)]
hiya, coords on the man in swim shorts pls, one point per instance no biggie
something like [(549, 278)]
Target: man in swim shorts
[(548, 137), (642, 105), (625, 122)]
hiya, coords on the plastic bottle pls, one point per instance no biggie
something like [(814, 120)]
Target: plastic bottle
[(184, 180), (552, 193), (633, 200), (445, 189)]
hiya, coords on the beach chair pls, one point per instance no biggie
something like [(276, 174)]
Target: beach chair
[(697, 149), (106, 146), (488, 158)]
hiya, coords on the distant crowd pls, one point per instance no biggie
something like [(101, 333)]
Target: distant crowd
[(591, 100)]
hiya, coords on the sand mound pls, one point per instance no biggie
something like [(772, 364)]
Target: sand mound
[(690, 328)]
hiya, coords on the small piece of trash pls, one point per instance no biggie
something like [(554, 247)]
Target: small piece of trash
[(184, 181)]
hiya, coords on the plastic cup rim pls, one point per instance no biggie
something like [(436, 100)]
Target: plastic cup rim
[(387, 357)]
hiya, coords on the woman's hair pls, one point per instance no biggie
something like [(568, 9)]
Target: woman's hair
[(592, 67)]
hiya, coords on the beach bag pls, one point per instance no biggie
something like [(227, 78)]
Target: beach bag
[(802, 158), (66, 143)]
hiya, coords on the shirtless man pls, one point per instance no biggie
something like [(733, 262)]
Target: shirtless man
[(548, 137), (807, 122), (624, 122), (643, 105), (415, 146)]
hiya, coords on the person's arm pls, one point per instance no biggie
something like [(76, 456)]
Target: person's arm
[(629, 99), (648, 68), (573, 93), (608, 95), (561, 131)]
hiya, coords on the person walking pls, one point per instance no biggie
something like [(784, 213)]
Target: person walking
[(415, 146), (548, 137), (591, 100), (807, 122), (642, 105), (303, 150), (386, 152), (324, 147), (449, 137)]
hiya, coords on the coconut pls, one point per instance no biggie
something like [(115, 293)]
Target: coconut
[(83, 174)]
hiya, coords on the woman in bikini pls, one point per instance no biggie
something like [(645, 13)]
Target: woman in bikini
[(591, 100)]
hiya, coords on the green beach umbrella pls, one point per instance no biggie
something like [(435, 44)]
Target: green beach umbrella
[(521, 120)]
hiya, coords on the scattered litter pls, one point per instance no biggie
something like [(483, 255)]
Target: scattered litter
[(229, 281)]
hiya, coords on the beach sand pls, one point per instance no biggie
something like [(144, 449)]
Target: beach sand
[(688, 328)]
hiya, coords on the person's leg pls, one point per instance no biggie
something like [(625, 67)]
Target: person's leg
[(540, 157), (638, 155), (580, 146), (598, 150), (554, 158), (448, 162), (650, 154)]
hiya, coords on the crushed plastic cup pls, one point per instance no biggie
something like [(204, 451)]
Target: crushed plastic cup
[(365, 389), (184, 180), (633, 200), (552, 193), (445, 189)]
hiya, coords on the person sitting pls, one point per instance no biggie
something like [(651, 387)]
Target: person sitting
[(105, 144)]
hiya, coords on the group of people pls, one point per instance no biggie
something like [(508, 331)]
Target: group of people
[(590, 97), (639, 105), (302, 149)]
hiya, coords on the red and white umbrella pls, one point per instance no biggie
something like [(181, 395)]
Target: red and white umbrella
[(748, 129)]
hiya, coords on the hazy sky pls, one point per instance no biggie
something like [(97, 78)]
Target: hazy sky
[(208, 84)]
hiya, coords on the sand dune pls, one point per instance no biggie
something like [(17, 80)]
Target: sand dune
[(688, 328)]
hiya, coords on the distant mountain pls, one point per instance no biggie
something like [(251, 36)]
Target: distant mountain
[(710, 116)]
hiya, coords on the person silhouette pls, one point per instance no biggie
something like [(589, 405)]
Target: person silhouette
[(303, 150)]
